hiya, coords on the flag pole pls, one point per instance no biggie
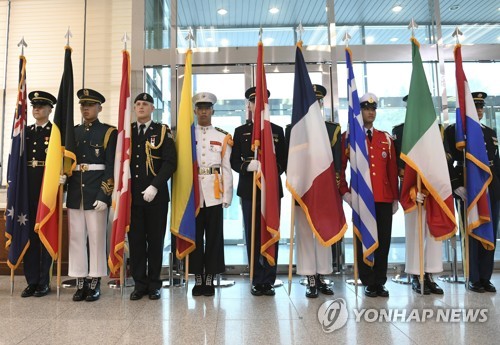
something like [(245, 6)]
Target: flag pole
[(466, 230), (186, 272), (290, 259), (420, 236), (254, 211), (59, 235), (11, 281), (355, 268)]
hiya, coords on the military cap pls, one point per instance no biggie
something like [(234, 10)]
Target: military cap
[(204, 97), (144, 97), (90, 96), (42, 98), (405, 98), (368, 100), (319, 90), (479, 98), (250, 94)]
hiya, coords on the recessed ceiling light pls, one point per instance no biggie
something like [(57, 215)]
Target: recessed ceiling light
[(369, 39), (397, 8), (222, 11), (224, 42), (454, 7), (394, 39), (274, 10)]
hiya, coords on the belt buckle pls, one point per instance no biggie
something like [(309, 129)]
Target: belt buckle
[(204, 171), (34, 163), (84, 167)]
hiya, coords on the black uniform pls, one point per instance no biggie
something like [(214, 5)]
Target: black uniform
[(241, 156), (480, 260), (153, 162), (37, 260)]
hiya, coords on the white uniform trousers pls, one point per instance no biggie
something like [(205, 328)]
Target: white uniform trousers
[(91, 223), (433, 250), (311, 256)]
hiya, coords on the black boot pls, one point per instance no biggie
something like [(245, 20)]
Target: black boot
[(94, 290), (81, 290), (323, 287), (431, 285), (198, 285), (415, 285), (312, 287), (209, 289)]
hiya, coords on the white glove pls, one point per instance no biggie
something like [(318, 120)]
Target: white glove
[(254, 165), (461, 192), (100, 205), (420, 197), (62, 179), (150, 193), (395, 206), (347, 197), (225, 205)]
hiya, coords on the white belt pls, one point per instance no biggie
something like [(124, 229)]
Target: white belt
[(90, 167)]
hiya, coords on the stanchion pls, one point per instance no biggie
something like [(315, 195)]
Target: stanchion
[(454, 278)]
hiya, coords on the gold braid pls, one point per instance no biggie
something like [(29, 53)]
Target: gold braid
[(148, 147)]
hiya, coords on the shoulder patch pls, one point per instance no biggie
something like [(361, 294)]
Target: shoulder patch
[(221, 130)]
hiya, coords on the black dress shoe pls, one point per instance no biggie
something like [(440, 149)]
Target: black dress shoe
[(42, 290), (488, 286), (93, 295), (382, 291), (415, 285), (268, 290), (155, 294), (371, 291), (323, 287), (256, 290), (80, 295), (136, 295), (311, 292), (208, 290), (476, 287), (430, 284), (29, 291)]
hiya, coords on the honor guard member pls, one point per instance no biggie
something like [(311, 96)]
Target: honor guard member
[(89, 195), (313, 259), (243, 162), (384, 179), (37, 260), (433, 250), (152, 163), (213, 149), (480, 260)]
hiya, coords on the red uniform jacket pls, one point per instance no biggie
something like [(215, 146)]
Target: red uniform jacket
[(383, 167)]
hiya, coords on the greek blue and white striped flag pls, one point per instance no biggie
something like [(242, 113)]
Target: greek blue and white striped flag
[(363, 203)]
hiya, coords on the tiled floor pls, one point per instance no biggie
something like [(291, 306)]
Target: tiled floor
[(234, 316)]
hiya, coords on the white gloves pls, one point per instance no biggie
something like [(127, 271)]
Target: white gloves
[(395, 206), (461, 192), (100, 205), (253, 165), (420, 198), (62, 179), (347, 197), (150, 193), (225, 205)]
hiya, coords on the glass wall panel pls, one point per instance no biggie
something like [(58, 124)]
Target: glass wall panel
[(157, 24)]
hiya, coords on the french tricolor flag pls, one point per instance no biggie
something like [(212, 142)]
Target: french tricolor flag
[(310, 171)]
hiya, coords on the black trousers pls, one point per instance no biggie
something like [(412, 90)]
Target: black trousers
[(208, 257), (378, 273), (481, 261), (148, 225), (37, 261), (263, 272)]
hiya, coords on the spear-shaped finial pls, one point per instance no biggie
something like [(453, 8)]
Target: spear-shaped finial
[(190, 38), (260, 34), (68, 36), (125, 38), (22, 43), (300, 30), (346, 39), (412, 26), (456, 34)]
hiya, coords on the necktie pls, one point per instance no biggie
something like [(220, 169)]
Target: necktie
[(141, 132), (369, 134), (38, 129)]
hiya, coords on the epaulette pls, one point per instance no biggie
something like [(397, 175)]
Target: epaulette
[(388, 135), (401, 124), (221, 130), (168, 131)]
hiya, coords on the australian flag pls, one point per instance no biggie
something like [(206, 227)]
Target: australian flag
[(18, 220)]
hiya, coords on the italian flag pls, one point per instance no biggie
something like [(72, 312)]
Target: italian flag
[(423, 152)]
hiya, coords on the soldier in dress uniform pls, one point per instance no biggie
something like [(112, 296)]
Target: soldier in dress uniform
[(243, 162), (480, 260), (152, 163), (384, 179), (89, 195), (433, 250), (313, 259), (213, 149), (37, 260)]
